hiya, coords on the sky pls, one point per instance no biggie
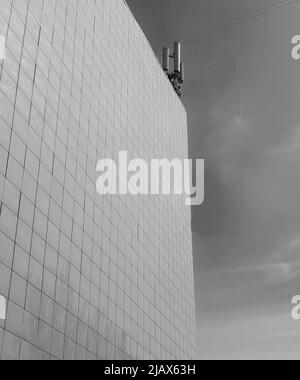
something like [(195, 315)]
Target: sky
[(242, 93)]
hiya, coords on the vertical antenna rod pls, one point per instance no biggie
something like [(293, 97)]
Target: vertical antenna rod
[(177, 56), (166, 59), (182, 71)]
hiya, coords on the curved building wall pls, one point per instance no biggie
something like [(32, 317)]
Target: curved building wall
[(86, 276)]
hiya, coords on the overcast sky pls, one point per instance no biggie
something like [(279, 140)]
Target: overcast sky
[(242, 95)]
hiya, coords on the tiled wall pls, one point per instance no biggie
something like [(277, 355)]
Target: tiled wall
[(87, 276)]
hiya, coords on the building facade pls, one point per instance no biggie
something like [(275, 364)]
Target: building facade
[(86, 276)]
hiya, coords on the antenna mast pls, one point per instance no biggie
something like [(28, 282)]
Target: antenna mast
[(177, 76)]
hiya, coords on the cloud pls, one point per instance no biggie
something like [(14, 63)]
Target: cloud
[(294, 245), (270, 335), (261, 275)]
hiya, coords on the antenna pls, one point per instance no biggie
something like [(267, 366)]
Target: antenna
[(177, 56), (182, 71), (166, 59), (177, 77)]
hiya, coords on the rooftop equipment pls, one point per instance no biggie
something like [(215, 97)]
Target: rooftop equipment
[(177, 76)]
